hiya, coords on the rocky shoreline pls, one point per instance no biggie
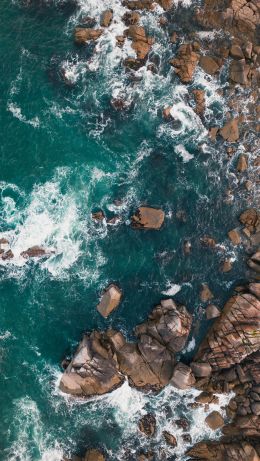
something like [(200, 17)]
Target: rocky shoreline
[(228, 360)]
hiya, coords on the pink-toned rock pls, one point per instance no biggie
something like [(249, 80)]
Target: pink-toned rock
[(148, 218), (109, 300), (185, 63), (83, 35), (230, 131)]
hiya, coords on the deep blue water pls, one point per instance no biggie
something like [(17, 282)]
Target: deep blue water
[(64, 153)]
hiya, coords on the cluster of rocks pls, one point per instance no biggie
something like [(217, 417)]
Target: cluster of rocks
[(36, 251), (145, 217), (249, 229), (104, 359)]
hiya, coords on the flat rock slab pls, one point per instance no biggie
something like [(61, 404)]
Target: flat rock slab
[(148, 218)]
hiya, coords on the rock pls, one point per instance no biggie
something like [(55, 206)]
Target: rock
[(165, 4), (227, 265), (106, 18), (213, 131), (242, 163), (147, 218), (230, 131), (254, 262), (174, 37), (120, 40), (119, 104), (167, 113), (212, 312), (187, 247), (206, 398), (6, 255), (239, 72), (182, 377), (131, 18), (170, 439), (138, 4), (109, 300), (141, 43), (98, 215), (185, 63), (83, 35), (168, 324), (234, 335), (256, 408), (205, 293), (201, 370), (186, 438), (133, 63), (35, 252), (234, 236), (254, 288), (147, 425), (236, 52), (94, 455), (209, 65), (248, 48), (214, 420), (199, 96), (183, 423), (220, 451), (250, 218), (93, 369), (208, 242)]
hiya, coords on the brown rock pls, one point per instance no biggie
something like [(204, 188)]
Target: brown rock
[(185, 63), (131, 18), (205, 293), (227, 265), (110, 300), (242, 163), (250, 218), (170, 439), (219, 451), (147, 218), (138, 4), (254, 288), (254, 262), (147, 425), (182, 377), (165, 4), (208, 242), (233, 336), (35, 252), (94, 455), (239, 72), (213, 131), (214, 420), (234, 237), (212, 312), (83, 35), (199, 96), (201, 370), (98, 215), (207, 397), (236, 52), (6, 255), (106, 18), (209, 64), (140, 42), (230, 131)]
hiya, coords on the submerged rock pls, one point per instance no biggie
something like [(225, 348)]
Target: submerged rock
[(109, 300), (147, 218)]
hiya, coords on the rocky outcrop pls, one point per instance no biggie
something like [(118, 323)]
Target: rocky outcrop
[(103, 359), (109, 300), (235, 335), (230, 131), (84, 35), (186, 62), (147, 218), (223, 451), (141, 43)]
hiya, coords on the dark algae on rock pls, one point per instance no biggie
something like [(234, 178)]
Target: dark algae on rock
[(129, 230)]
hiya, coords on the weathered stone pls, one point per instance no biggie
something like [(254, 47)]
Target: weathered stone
[(239, 72), (148, 218), (83, 35), (250, 218), (182, 377), (109, 300), (209, 65), (212, 312), (234, 237), (236, 52), (201, 370), (185, 63), (106, 18), (170, 439), (230, 131), (242, 163), (214, 420), (254, 288), (205, 293), (147, 425)]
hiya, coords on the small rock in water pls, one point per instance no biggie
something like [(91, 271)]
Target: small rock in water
[(227, 265), (212, 312), (230, 131), (187, 247), (147, 218), (183, 423), (35, 252), (205, 293), (214, 420), (147, 424), (186, 438), (234, 237), (109, 300), (6, 255), (170, 439), (106, 18), (98, 215), (83, 35), (208, 242), (242, 164)]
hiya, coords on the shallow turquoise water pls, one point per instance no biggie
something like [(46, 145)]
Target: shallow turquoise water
[(64, 153)]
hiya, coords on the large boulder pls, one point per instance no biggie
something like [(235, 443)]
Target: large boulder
[(209, 64), (234, 335), (141, 43), (182, 377), (239, 72), (147, 218), (169, 324), (214, 420), (93, 369), (230, 131), (109, 300), (185, 63)]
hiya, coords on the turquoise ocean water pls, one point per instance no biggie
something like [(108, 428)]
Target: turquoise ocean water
[(64, 153)]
